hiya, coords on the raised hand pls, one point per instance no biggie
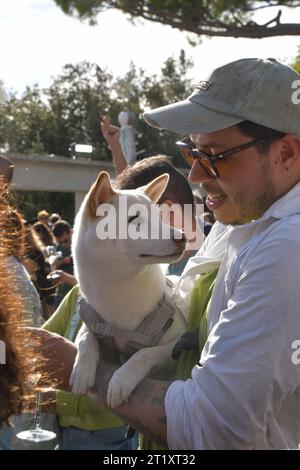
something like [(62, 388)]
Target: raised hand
[(110, 132)]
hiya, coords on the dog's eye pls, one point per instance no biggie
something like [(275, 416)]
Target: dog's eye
[(133, 217)]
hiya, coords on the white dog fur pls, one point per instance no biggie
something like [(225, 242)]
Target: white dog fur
[(116, 281)]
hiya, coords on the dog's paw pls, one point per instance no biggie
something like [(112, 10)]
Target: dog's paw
[(120, 387), (83, 378)]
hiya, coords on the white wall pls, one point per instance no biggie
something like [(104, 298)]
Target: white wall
[(56, 174)]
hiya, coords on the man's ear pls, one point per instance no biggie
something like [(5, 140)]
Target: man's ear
[(100, 192), (289, 151), (155, 189)]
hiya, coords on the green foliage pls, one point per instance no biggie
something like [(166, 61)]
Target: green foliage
[(189, 9), (30, 203), (2, 92), (209, 17), (23, 123), (77, 99), (47, 121)]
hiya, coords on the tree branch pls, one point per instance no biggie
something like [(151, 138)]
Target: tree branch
[(270, 4), (200, 18), (221, 29), (276, 19)]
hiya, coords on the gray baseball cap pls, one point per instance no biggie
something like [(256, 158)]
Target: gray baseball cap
[(258, 90)]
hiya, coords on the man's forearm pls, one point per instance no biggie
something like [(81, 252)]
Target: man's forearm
[(144, 410), (120, 162)]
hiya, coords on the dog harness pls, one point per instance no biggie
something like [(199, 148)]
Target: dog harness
[(147, 334)]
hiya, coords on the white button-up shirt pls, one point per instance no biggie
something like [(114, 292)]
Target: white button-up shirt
[(245, 391)]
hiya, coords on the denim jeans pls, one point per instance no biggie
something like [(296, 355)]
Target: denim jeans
[(72, 438)]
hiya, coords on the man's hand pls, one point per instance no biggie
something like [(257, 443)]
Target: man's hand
[(188, 341), (112, 136), (110, 133), (144, 410), (60, 261), (61, 277)]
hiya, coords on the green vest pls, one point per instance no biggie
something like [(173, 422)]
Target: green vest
[(199, 304), (79, 411)]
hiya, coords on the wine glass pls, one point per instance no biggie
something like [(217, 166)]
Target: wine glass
[(52, 256), (37, 433)]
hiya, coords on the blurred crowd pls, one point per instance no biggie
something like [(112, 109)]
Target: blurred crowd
[(42, 261)]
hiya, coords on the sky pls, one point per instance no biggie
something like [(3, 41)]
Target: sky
[(37, 39)]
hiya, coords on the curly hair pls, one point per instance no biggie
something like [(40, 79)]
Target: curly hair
[(15, 354), (14, 229), (43, 233)]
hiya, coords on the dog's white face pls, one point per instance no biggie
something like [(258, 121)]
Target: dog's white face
[(118, 276), (124, 228)]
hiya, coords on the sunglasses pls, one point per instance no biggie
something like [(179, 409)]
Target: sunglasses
[(208, 161)]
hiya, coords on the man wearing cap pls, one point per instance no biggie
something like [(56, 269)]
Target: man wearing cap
[(244, 138), (244, 146)]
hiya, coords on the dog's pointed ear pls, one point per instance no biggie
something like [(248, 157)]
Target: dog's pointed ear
[(101, 191), (155, 189)]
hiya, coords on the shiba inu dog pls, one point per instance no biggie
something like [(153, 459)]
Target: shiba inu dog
[(119, 242)]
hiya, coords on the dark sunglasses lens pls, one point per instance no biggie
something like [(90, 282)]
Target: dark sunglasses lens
[(190, 157), (207, 167)]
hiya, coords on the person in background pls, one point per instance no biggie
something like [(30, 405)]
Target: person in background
[(55, 217), (23, 288), (61, 277), (63, 236), (43, 232), (38, 268), (43, 217), (15, 229), (16, 358)]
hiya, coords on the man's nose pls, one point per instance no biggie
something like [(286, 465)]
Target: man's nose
[(197, 174)]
